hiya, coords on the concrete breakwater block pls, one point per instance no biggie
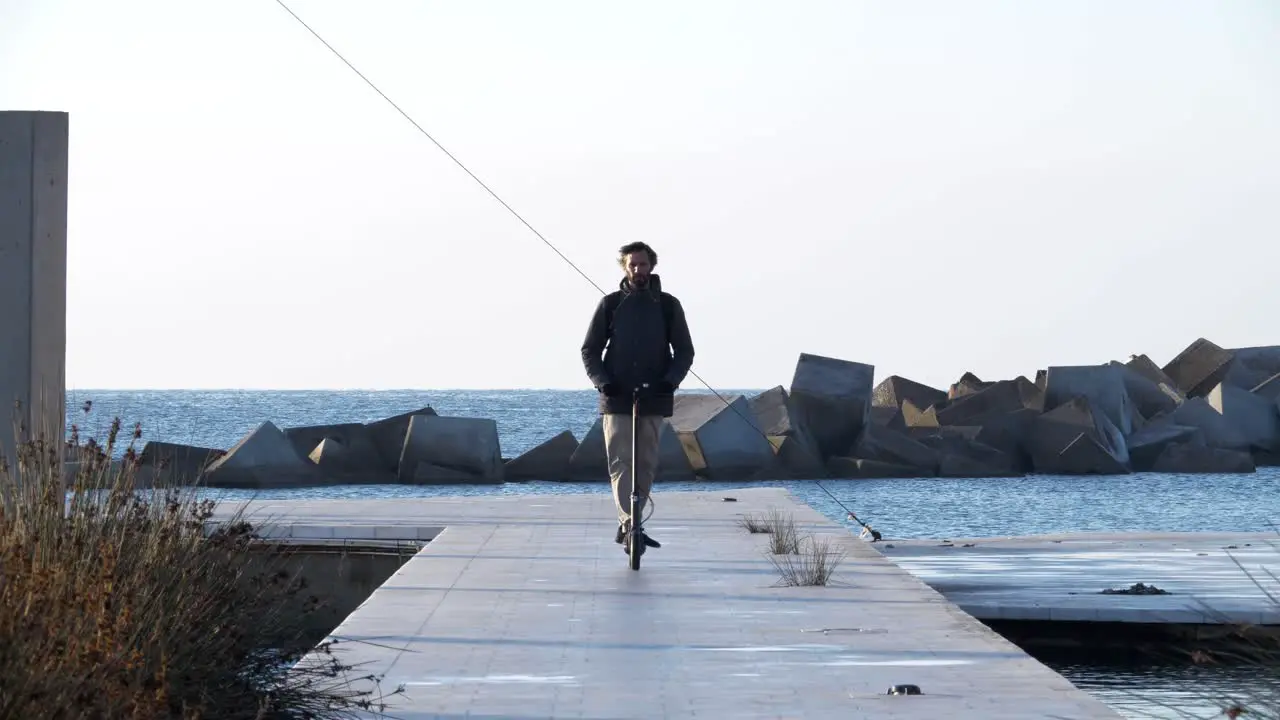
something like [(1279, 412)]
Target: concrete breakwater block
[(1149, 443), (1103, 385), (968, 384), (1003, 396), (894, 390), (1056, 446), (1252, 366), (796, 452), (548, 460), (673, 461), (1253, 416), (962, 454), (1150, 398), (1199, 367), (263, 458), (451, 448), (833, 397), (343, 453), (1191, 457), (1269, 388), (886, 445), (590, 463), (1146, 367), (170, 464), (720, 436), (330, 453), (1217, 429), (388, 436)]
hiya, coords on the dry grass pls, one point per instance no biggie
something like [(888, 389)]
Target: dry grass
[(784, 539), (116, 603), (753, 523), (813, 564), (765, 522)]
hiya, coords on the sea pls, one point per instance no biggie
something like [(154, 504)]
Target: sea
[(915, 508)]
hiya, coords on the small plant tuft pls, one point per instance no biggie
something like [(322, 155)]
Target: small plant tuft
[(784, 539), (812, 565), (754, 523)]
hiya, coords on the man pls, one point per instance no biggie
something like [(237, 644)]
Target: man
[(642, 334)]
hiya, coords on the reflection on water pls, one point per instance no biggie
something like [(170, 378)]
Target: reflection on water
[(1178, 691)]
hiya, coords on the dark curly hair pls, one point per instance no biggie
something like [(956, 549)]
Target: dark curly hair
[(629, 248)]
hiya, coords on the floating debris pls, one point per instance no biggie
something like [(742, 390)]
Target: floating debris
[(1136, 589)]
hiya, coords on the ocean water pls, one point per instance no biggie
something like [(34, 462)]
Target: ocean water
[(914, 508), (917, 508)]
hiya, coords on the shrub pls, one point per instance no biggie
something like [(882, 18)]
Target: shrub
[(117, 601)]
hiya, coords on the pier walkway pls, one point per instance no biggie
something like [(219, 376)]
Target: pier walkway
[(523, 607), (1210, 578)]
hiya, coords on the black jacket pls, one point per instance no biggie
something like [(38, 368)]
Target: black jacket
[(630, 328)]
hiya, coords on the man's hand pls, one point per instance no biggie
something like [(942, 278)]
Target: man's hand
[(609, 390), (661, 387)]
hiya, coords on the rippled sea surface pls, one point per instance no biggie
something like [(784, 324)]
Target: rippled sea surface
[(1169, 692), (919, 508)]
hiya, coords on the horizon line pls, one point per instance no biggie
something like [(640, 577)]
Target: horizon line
[(374, 389)]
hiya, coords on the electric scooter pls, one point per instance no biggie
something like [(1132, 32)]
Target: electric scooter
[(635, 538)]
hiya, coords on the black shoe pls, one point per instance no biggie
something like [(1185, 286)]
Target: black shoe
[(645, 543), (648, 541), (622, 533)]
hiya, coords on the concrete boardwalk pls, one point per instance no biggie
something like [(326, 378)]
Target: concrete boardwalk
[(524, 607), (1060, 577)]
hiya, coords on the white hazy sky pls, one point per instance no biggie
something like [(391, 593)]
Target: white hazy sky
[(929, 187)]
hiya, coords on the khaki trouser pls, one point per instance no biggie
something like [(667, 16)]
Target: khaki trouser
[(617, 447)]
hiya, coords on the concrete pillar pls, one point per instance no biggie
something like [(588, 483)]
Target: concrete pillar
[(33, 272)]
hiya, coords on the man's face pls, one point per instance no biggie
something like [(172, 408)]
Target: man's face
[(638, 268)]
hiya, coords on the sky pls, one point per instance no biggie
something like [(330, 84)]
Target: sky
[(927, 187)]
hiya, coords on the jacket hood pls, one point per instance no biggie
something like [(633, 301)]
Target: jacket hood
[(655, 284)]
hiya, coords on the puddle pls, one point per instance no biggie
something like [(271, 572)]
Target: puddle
[(736, 613), (852, 661), (778, 648), (828, 631), (497, 680)]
